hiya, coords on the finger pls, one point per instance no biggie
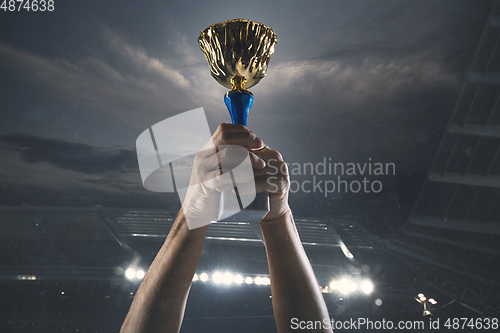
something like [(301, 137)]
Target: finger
[(217, 179), (234, 156), (257, 162), (273, 168), (247, 188), (207, 151), (264, 146), (220, 179), (268, 154), (205, 164), (235, 134), (273, 184), (227, 159)]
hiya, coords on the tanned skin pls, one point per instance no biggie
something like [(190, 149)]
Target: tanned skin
[(161, 299)]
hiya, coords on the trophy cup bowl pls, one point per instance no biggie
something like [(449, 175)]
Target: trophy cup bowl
[(238, 53)]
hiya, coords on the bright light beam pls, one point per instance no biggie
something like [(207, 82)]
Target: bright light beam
[(334, 285), (238, 279), (130, 273), (217, 277), (140, 274), (367, 287), (346, 286), (227, 278)]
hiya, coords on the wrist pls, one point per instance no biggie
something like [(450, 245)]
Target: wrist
[(278, 206), (275, 215), (200, 206)]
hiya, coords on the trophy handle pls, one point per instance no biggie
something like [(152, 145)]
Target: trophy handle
[(239, 103)]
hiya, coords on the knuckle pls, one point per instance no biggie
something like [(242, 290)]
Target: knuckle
[(283, 181), (199, 157), (282, 166), (239, 126), (226, 136), (222, 127), (218, 139), (276, 155)]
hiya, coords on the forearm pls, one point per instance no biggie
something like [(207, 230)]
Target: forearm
[(294, 287), (161, 298)]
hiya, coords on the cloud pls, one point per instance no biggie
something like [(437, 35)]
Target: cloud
[(59, 166), (358, 79), (70, 156), (138, 60), (41, 171), (123, 80), (116, 80)]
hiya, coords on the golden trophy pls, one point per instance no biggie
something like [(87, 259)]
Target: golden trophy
[(238, 52)]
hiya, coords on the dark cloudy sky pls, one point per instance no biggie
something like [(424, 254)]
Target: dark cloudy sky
[(350, 80)]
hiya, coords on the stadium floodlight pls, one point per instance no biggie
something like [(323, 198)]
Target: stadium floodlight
[(227, 278), (130, 273), (248, 280), (140, 274), (133, 273), (238, 279), (367, 287), (347, 286), (334, 284), (217, 277), (204, 277), (258, 280)]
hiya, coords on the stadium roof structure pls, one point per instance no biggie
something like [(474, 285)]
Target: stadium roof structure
[(452, 236)]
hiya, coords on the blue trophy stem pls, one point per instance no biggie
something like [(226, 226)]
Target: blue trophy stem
[(238, 103)]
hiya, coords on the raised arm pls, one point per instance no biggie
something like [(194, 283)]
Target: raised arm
[(160, 301), (161, 298), (295, 290)]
